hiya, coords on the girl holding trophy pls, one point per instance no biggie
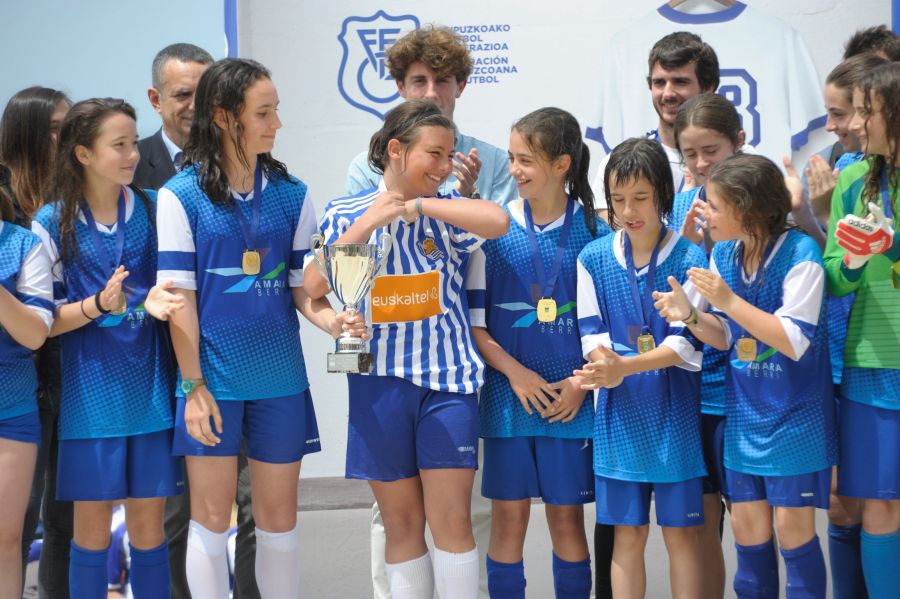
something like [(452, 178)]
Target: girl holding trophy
[(413, 431), (233, 232)]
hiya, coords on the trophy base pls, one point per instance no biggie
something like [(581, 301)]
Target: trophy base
[(351, 362)]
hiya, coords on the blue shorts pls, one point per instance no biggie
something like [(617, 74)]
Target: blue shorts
[(279, 430), (627, 503), (712, 438), (559, 471), (869, 465), (812, 489), (24, 427), (139, 467), (398, 428)]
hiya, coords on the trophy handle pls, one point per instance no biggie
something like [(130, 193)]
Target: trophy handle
[(385, 242), (317, 248)]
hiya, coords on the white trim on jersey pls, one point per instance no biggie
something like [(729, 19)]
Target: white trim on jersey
[(111, 228), (476, 280), (35, 279), (802, 292), (173, 230), (307, 226), (586, 306), (52, 253)]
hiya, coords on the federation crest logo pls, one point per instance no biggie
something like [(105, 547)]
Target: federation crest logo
[(363, 78), (430, 249)]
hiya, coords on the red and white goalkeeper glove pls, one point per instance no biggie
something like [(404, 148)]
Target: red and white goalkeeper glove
[(863, 238)]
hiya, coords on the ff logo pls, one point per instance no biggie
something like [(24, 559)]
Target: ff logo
[(363, 78)]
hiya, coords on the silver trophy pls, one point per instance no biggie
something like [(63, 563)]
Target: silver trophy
[(350, 269)]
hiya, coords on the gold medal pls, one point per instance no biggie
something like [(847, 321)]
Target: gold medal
[(746, 349), (250, 262), (645, 343), (121, 305), (546, 309)]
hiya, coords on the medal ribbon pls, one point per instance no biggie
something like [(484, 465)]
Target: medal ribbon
[(102, 254), (645, 302), (250, 230), (547, 285), (886, 195), (754, 285)]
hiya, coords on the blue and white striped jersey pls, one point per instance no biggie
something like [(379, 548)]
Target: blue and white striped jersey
[(417, 308)]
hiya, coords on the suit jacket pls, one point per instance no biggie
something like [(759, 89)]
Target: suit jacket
[(155, 166)]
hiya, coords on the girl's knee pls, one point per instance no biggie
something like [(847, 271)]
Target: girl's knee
[(631, 537)]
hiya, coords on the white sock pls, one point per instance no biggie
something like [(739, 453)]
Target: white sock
[(278, 563), (456, 574), (413, 579), (206, 565)]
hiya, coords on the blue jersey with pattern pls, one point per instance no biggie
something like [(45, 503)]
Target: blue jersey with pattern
[(839, 307), (249, 331), (647, 429), (553, 350), (878, 387), (712, 377), (118, 372), (18, 376), (780, 417)]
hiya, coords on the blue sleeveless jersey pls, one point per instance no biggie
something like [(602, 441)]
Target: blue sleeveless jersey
[(648, 428), (118, 372), (18, 376), (780, 412), (249, 331), (503, 302)]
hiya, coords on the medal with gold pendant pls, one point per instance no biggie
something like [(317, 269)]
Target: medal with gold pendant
[(251, 259), (746, 349), (250, 262), (645, 341), (546, 309)]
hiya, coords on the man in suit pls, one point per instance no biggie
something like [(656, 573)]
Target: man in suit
[(176, 71)]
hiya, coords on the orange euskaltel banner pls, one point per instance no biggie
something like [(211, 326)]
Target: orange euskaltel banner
[(406, 298)]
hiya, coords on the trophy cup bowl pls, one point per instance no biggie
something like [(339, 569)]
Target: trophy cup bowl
[(350, 269)]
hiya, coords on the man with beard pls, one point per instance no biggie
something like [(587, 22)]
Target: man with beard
[(681, 66)]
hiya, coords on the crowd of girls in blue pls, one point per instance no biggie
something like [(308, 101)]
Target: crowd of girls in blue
[(679, 352)]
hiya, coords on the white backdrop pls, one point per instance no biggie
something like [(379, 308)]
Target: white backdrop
[(546, 53)]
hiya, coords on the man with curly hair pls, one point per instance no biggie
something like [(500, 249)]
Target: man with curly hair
[(433, 63)]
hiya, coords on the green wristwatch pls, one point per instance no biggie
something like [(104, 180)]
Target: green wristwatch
[(188, 385)]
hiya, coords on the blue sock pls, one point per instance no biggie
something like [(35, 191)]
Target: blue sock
[(571, 580), (87, 573), (805, 567), (506, 581), (881, 563), (757, 571), (847, 580), (150, 572)]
